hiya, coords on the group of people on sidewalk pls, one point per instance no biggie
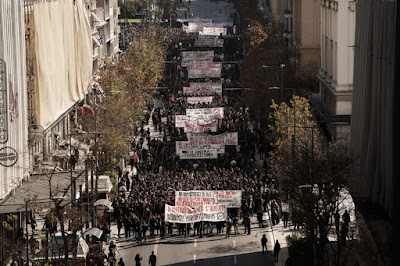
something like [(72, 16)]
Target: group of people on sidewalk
[(277, 247)]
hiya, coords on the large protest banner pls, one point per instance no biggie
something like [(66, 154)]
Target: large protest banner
[(195, 198), (208, 72), (217, 112), (180, 120), (228, 138), (198, 154), (209, 42), (207, 213), (208, 88), (195, 63), (199, 126), (186, 145), (196, 100), (189, 56), (214, 31)]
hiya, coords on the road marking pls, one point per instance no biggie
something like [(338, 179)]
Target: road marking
[(234, 259), (234, 243), (156, 246), (195, 243), (194, 258)]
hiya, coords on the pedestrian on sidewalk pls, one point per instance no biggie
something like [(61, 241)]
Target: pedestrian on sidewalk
[(152, 259), (277, 248), (228, 227), (121, 262), (137, 260), (235, 225), (285, 219), (264, 241)]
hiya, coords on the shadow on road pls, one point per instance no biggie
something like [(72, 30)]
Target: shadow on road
[(248, 259)]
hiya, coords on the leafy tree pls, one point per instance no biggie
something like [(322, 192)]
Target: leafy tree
[(128, 86), (309, 173)]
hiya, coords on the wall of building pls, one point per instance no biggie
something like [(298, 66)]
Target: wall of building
[(12, 51), (373, 110), (307, 30)]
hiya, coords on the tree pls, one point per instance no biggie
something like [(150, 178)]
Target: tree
[(128, 87), (311, 174)]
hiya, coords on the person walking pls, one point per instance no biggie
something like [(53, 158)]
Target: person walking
[(137, 260), (228, 227), (152, 259), (121, 262), (277, 248), (264, 241)]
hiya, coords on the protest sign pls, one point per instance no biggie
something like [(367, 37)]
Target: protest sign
[(207, 88), (209, 213), (198, 154), (195, 198), (196, 100)]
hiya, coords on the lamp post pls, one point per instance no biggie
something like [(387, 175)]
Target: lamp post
[(73, 183)]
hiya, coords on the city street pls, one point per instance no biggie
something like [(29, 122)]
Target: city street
[(239, 249)]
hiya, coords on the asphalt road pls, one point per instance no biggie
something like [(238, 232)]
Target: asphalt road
[(239, 249)]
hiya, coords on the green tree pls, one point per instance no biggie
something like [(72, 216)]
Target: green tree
[(310, 173)]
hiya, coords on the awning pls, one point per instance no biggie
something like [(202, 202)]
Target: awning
[(104, 202), (94, 231)]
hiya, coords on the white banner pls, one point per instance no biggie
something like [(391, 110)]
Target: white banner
[(209, 42), (180, 120), (195, 198), (198, 154), (208, 88), (208, 213), (218, 112), (188, 56), (214, 31), (182, 146), (197, 126), (195, 64), (211, 72), (196, 100), (228, 138)]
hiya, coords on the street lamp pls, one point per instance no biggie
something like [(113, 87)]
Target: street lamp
[(73, 185)]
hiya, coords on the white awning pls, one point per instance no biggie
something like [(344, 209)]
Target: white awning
[(94, 231), (104, 202)]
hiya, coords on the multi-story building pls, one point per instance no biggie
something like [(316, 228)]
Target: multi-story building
[(98, 19), (13, 97), (103, 17), (337, 62), (307, 30)]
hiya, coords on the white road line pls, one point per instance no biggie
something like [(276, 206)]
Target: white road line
[(195, 243), (234, 259), (156, 246), (234, 243), (194, 258)]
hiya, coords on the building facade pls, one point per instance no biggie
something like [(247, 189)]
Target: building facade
[(337, 63), (49, 142), (13, 97), (307, 30)]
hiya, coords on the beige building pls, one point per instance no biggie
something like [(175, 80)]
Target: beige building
[(307, 30), (103, 17), (337, 63)]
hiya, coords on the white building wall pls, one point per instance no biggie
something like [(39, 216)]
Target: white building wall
[(12, 51), (337, 55)]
